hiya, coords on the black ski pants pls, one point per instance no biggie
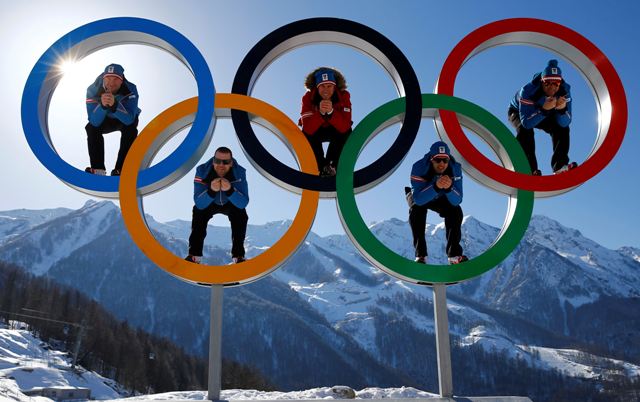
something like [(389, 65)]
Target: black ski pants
[(336, 142), (452, 221), (95, 141), (559, 140), (237, 217)]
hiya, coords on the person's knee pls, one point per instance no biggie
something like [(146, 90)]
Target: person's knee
[(239, 216), (524, 135), (243, 217), (414, 212), (452, 212), (133, 125), (417, 216), (457, 213), (199, 225), (129, 132), (556, 128), (92, 130), (199, 215)]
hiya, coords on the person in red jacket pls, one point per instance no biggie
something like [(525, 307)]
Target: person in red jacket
[(326, 116)]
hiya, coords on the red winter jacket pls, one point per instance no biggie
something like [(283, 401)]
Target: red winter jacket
[(311, 119)]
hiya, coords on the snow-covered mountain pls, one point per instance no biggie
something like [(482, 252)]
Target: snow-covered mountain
[(553, 303), (38, 242), (13, 223)]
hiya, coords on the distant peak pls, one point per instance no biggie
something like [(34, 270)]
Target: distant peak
[(468, 219), (396, 221), (631, 252), (542, 222), (93, 205), (388, 226), (542, 227), (283, 222)]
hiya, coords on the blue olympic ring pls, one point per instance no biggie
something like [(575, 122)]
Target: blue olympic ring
[(81, 42)]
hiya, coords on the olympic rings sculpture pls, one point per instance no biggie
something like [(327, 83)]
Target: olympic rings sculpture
[(447, 111)]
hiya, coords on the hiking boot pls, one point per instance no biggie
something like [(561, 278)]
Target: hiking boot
[(115, 172), (458, 259), (238, 260), (196, 259), (98, 172), (537, 172), (421, 260), (566, 168)]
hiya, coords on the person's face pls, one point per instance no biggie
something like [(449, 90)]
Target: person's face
[(440, 164), (550, 87), (111, 83), (222, 163), (326, 90)]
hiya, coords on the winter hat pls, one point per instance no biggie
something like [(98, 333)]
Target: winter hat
[(440, 150), (114, 70), (552, 71), (325, 76)]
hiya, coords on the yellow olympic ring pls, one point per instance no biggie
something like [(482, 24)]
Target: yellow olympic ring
[(228, 275)]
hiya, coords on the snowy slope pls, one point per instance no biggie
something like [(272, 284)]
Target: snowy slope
[(315, 393), (349, 307), (631, 252), (25, 364)]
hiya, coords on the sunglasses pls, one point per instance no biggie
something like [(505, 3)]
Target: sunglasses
[(221, 161), (440, 160), (551, 83)]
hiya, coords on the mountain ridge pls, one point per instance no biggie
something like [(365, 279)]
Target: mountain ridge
[(327, 295)]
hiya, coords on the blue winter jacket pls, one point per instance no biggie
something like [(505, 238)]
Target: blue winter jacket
[(124, 109), (529, 100), (423, 182), (203, 196)]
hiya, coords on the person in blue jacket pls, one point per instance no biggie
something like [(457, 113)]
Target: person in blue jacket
[(544, 103), (219, 187), (436, 184), (112, 105)]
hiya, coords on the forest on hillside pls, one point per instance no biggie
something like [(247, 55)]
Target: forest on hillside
[(141, 362)]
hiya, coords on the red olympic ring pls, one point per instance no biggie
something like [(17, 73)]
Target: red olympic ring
[(507, 31)]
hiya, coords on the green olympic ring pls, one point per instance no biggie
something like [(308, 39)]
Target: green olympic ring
[(380, 255)]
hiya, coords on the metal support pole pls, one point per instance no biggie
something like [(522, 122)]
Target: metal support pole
[(215, 344), (442, 340)]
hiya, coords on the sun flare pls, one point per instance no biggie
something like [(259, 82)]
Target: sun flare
[(68, 67)]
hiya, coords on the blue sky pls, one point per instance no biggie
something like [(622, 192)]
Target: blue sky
[(603, 209)]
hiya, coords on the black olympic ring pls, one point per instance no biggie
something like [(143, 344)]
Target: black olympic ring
[(333, 30)]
